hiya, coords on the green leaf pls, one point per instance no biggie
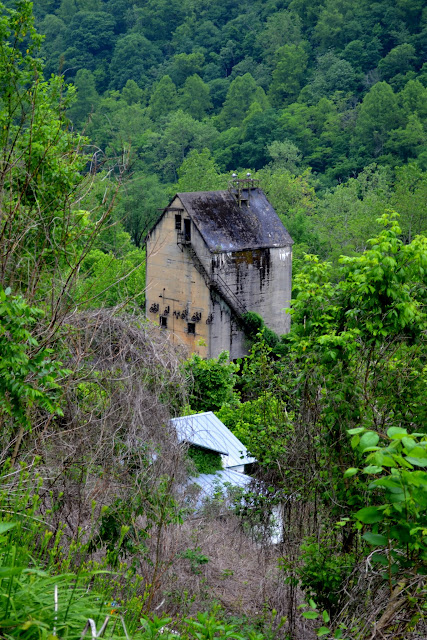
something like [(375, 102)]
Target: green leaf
[(310, 615), (354, 441), (387, 481), (380, 558), (408, 443), (402, 533), (322, 631), (351, 472), (353, 432), (6, 572), (369, 515), (6, 526), (396, 432), (375, 538), (418, 462), (325, 616), (369, 439), (372, 468)]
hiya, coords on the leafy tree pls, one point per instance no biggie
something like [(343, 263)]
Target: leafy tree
[(184, 65), (379, 114), (346, 215), (212, 381), (413, 99), (408, 142), (87, 97), (284, 155), (133, 55), (194, 97), (398, 60), (164, 99), (364, 53), (288, 74), (199, 172), (131, 92), (226, 149), (409, 198), (181, 135), (54, 44), (91, 31), (281, 29), (242, 93), (331, 75), (109, 280), (138, 203), (67, 10), (29, 377), (115, 125), (40, 168), (396, 513), (156, 19), (338, 23), (259, 128)]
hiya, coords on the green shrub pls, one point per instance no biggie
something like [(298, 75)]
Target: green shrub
[(213, 381), (323, 571), (205, 461)]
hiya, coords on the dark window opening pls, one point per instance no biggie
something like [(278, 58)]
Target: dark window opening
[(163, 322), (178, 219), (191, 328), (187, 230)]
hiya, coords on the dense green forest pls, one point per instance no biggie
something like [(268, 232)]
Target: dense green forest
[(326, 100), (114, 108)]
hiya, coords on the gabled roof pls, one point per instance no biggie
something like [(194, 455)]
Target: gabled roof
[(225, 226), (207, 431)]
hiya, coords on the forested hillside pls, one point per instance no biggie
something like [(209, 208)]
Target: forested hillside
[(312, 95), (118, 106)]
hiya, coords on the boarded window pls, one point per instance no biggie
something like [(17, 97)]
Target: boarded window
[(178, 222)]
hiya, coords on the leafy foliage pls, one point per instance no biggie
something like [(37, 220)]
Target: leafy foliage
[(212, 381), (205, 461), (28, 374)]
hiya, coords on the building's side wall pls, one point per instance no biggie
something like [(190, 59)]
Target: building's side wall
[(174, 288), (261, 279), (178, 293), (224, 332)]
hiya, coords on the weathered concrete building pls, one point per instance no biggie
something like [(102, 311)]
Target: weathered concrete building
[(211, 257)]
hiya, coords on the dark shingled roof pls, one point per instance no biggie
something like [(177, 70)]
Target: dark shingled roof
[(227, 227)]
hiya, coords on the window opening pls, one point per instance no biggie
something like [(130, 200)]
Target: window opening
[(163, 322), (191, 328), (178, 219), (187, 230)]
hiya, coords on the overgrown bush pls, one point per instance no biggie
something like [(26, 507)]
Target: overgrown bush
[(204, 460)]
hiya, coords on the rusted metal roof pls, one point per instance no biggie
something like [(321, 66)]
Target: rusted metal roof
[(226, 226)]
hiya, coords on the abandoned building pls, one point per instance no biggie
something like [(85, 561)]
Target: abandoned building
[(211, 257)]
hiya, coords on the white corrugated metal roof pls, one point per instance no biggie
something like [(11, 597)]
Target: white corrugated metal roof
[(211, 483), (206, 430)]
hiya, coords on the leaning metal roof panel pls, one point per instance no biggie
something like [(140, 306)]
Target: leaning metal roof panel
[(207, 431), (226, 226), (211, 483)]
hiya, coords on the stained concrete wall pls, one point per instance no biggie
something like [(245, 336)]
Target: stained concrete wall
[(175, 286), (260, 279)]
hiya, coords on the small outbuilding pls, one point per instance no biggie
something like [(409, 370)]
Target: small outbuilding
[(211, 257)]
